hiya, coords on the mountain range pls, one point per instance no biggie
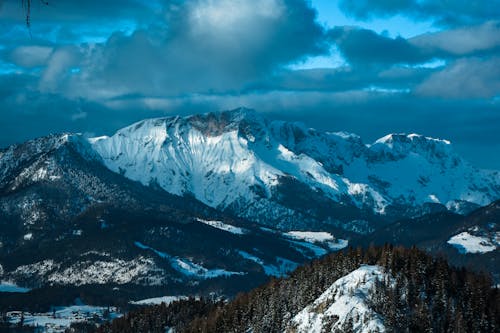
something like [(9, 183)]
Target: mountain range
[(218, 202)]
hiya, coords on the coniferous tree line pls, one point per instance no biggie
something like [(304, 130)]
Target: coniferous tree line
[(156, 318), (424, 294)]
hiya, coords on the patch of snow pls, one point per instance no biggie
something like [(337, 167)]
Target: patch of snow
[(28, 236), (99, 138), (467, 243), (223, 226), (62, 317), (338, 244), (433, 198), (345, 300), (316, 237), (77, 232), (311, 236), (158, 300)]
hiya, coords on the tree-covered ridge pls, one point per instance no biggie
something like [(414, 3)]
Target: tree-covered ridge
[(424, 294)]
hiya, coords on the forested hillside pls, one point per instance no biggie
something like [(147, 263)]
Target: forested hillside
[(415, 293)]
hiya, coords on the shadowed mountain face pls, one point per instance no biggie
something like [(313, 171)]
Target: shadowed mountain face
[(182, 203)]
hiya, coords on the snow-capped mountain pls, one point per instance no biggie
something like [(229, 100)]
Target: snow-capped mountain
[(241, 162), (65, 219)]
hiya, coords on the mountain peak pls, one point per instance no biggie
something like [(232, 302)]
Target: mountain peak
[(403, 138), (400, 145), (217, 123)]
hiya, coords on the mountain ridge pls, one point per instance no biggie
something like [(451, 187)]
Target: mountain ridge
[(246, 156)]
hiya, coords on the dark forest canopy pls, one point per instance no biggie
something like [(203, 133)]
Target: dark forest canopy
[(428, 296)]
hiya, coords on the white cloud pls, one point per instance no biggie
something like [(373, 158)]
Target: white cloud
[(465, 78), (461, 41), (31, 56), (58, 67)]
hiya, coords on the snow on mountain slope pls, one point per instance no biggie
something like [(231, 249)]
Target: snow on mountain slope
[(345, 301), (239, 159), (158, 300), (477, 239), (319, 237), (401, 169), (223, 226), (219, 166), (140, 270), (187, 267), (422, 169), (467, 243)]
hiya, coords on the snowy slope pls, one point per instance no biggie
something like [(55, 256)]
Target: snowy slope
[(477, 239), (239, 159), (222, 159), (467, 243), (344, 301)]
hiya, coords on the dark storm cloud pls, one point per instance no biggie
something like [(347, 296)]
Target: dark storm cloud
[(58, 83), (27, 113), (203, 46), (362, 46), (443, 12), (345, 78), (365, 47)]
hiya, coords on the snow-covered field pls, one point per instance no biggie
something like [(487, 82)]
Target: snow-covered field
[(346, 299), (310, 239), (62, 317), (468, 243), (311, 236)]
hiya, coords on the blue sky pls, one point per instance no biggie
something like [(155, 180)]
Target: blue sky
[(368, 67)]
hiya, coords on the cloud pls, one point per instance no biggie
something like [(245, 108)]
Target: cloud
[(201, 46), (57, 68), (30, 55), (362, 47), (461, 41), (78, 11), (465, 78), (366, 47), (443, 12)]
